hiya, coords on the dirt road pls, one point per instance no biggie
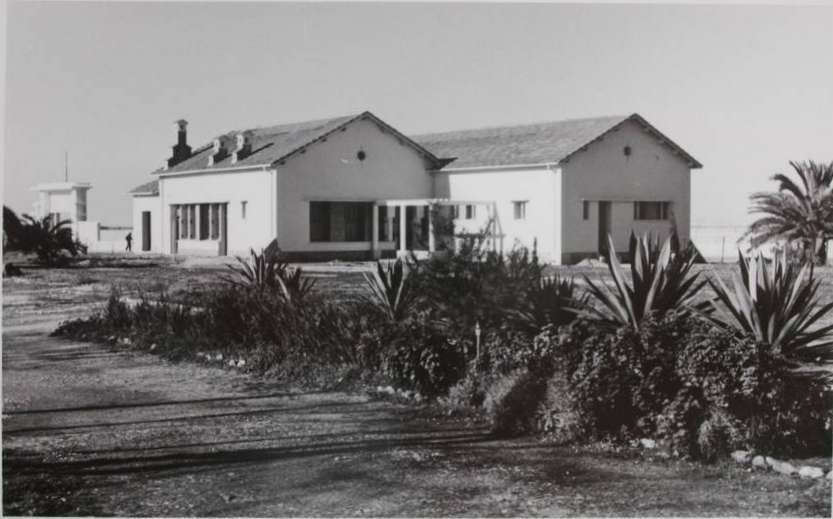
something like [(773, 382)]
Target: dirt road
[(88, 430)]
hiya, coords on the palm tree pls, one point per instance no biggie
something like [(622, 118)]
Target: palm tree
[(800, 213), (48, 239)]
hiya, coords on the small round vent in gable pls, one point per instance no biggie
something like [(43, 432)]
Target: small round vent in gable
[(361, 155)]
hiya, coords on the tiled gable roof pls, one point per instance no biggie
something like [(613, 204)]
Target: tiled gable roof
[(148, 188), (540, 143), (275, 143)]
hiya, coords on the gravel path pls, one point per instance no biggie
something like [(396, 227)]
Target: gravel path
[(90, 430)]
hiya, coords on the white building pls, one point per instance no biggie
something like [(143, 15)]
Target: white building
[(61, 201), (338, 188)]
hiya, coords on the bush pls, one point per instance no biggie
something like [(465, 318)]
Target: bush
[(702, 389), (512, 401), (421, 356), (467, 395), (557, 414)]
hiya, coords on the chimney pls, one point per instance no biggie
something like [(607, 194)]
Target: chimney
[(181, 151), (243, 142)]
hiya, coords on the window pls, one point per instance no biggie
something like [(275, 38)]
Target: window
[(204, 221), (519, 209), (340, 221), (585, 209), (243, 209), (471, 212), (455, 211), (651, 210)]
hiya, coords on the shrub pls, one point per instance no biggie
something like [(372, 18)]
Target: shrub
[(778, 307), (420, 356), (660, 282), (557, 413), (512, 401), (717, 436), (700, 388), (468, 394)]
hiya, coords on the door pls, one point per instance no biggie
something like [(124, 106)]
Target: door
[(604, 225), (145, 230)]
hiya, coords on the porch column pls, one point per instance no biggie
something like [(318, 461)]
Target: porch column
[(197, 224), (390, 213), (374, 244), (403, 242), (431, 241), (221, 226)]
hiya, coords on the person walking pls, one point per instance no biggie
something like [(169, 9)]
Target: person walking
[(129, 240)]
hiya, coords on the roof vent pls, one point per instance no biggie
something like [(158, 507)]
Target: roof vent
[(243, 149), (181, 151), (219, 149)]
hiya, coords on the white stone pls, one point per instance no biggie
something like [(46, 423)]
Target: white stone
[(742, 457), (811, 472), (759, 463), (648, 443), (782, 467)]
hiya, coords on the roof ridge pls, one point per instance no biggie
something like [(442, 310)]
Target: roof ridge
[(525, 125)]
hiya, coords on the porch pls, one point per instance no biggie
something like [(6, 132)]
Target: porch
[(428, 224)]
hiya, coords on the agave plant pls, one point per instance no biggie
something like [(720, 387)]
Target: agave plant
[(777, 306), (551, 301), (391, 290), (266, 271), (657, 286), (259, 271)]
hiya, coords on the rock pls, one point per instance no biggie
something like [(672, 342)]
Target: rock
[(782, 467), (759, 463), (219, 356), (153, 346), (241, 363), (810, 472), (648, 443), (231, 363), (742, 457)]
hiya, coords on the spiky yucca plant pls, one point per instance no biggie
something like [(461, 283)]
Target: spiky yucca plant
[(659, 283), (267, 271), (391, 290), (777, 306), (551, 301)]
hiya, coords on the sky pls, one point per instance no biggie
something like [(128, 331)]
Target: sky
[(744, 89)]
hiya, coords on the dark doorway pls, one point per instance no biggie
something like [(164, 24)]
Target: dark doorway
[(145, 230), (604, 225)]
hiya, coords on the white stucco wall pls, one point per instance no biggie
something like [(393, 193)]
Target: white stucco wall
[(330, 171), (255, 187), (538, 186), (651, 173), (154, 205)]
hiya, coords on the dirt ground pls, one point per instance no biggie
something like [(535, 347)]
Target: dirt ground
[(91, 430)]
